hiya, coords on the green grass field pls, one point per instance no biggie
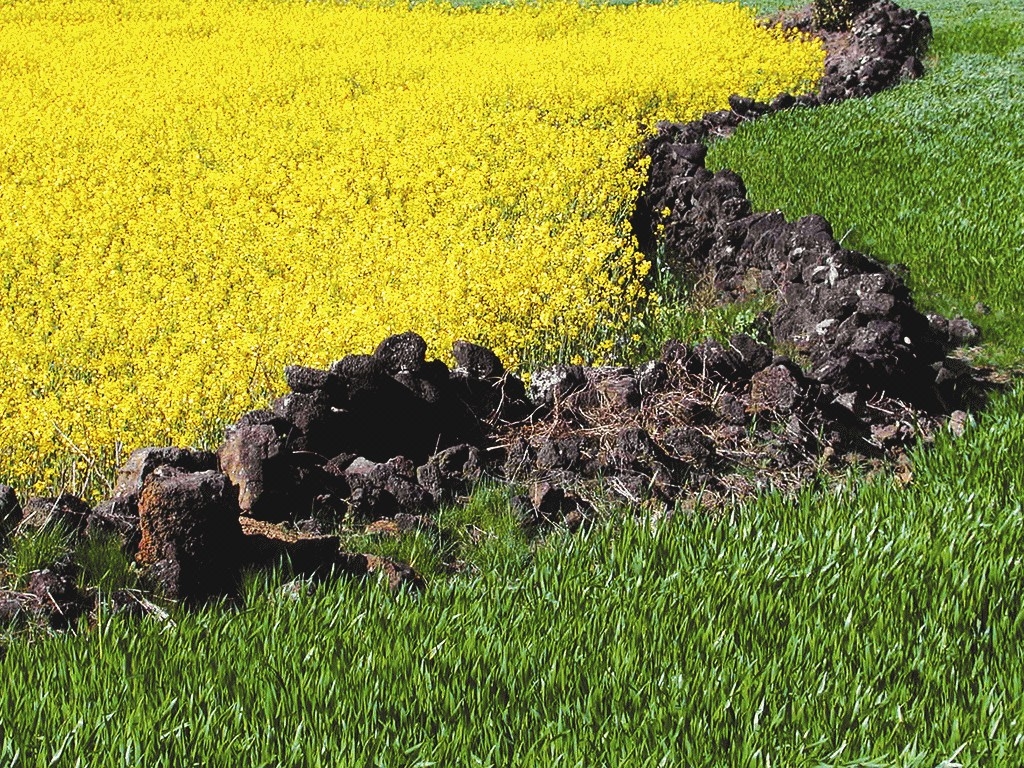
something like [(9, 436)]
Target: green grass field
[(928, 175), (863, 624)]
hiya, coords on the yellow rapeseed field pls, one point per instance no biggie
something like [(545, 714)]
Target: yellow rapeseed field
[(193, 194)]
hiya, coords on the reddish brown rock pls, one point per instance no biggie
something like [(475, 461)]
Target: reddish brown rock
[(255, 459), (775, 388), (191, 536)]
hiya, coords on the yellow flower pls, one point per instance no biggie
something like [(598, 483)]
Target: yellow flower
[(193, 195)]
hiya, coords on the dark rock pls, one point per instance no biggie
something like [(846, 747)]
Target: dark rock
[(723, 119), (385, 489), (466, 461), (911, 69), (143, 461), (50, 598), (191, 536), (127, 602), (550, 386), (429, 384), (487, 400), (13, 611), (451, 472), (412, 414), (939, 325), (338, 464), (651, 377), (888, 435), (479, 362), (711, 360), (263, 417), (782, 101), (575, 520), (694, 409), (363, 376), (674, 353), (690, 445), (567, 453), (723, 198), (403, 353), (776, 389), (360, 470), (367, 500), (962, 332), (748, 108), (548, 505), (10, 510), (848, 318), (398, 477), (308, 381), (117, 518), (885, 46), (58, 596), (843, 373), (522, 508), (851, 401), (258, 463), (615, 388), (547, 500), (519, 459), (300, 378), (752, 354), (314, 423), (955, 385), (682, 135), (631, 487), (311, 526), (635, 449), (326, 511), (352, 564), (686, 157), (731, 409), (66, 510), (877, 305)]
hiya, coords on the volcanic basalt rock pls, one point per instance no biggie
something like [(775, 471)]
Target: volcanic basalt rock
[(885, 46), (118, 516), (374, 436), (143, 462), (257, 460), (10, 510), (450, 473), (66, 510), (850, 317), (191, 536), (50, 597)]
